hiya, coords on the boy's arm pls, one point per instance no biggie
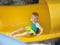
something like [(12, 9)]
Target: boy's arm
[(40, 29)]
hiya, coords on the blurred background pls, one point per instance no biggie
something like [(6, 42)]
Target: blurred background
[(17, 2)]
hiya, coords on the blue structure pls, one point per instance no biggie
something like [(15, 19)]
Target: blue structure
[(5, 40)]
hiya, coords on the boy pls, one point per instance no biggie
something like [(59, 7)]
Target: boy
[(34, 29)]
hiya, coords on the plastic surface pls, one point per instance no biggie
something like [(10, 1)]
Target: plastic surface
[(14, 17)]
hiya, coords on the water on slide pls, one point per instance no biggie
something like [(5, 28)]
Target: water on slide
[(6, 40)]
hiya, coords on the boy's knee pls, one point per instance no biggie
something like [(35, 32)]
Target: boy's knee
[(24, 28)]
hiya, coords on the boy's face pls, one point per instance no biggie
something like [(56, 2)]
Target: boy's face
[(34, 18)]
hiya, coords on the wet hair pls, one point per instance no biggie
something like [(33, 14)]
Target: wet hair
[(35, 14)]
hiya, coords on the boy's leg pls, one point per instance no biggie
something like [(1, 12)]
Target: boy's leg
[(18, 30), (20, 35)]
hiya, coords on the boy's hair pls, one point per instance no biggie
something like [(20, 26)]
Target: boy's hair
[(35, 14)]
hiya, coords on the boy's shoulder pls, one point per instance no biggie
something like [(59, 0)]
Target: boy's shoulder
[(38, 23)]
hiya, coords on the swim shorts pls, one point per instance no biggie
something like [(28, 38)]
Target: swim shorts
[(29, 29)]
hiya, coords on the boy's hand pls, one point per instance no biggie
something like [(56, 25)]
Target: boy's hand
[(38, 34)]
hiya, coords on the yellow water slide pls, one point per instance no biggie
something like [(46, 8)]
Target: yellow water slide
[(14, 17)]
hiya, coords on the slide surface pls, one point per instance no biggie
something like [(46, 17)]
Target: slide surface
[(14, 17)]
